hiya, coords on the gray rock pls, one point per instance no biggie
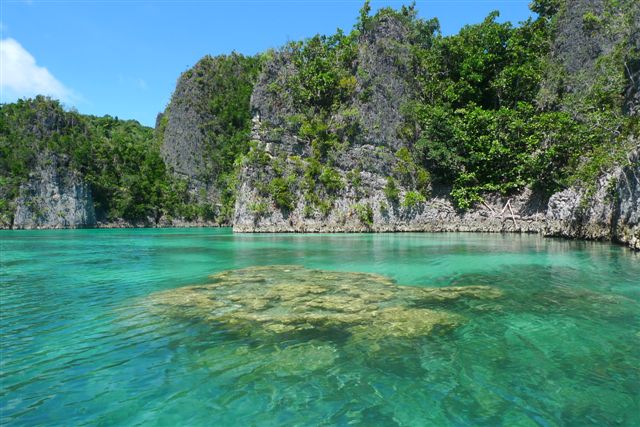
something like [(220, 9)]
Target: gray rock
[(55, 196), (189, 125), (384, 58), (184, 138), (611, 211)]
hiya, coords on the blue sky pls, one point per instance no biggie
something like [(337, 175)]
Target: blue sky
[(123, 57)]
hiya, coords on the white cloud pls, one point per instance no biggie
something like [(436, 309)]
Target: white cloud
[(20, 76)]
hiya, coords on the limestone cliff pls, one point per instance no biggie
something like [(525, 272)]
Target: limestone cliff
[(54, 196), (591, 41), (610, 211), (207, 124), (39, 187), (365, 183), (330, 185), (316, 137)]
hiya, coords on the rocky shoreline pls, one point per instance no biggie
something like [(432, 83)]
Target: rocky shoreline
[(608, 212), (121, 224)]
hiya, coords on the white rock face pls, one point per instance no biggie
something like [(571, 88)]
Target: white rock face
[(610, 212), (54, 198)]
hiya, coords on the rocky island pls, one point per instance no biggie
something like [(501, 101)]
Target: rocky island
[(390, 127)]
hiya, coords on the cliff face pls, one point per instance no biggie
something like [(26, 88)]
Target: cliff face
[(207, 123), (54, 197), (316, 137), (592, 41), (632, 66), (597, 44), (40, 188), (611, 211), (525, 213), (336, 175), (183, 134), (287, 186)]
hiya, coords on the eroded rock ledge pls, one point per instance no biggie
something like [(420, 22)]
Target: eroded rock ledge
[(610, 211)]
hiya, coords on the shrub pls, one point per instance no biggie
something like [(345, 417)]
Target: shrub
[(391, 190), (331, 180), (365, 214), (258, 209), (412, 198), (280, 191)]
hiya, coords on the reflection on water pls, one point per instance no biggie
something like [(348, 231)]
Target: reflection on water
[(124, 327)]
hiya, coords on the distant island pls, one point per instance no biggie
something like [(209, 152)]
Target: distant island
[(392, 126)]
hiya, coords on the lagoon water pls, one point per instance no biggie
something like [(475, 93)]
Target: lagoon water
[(560, 347)]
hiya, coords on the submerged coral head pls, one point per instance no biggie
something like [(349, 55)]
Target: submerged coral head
[(293, 299)]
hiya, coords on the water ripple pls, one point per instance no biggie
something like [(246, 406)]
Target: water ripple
[(79, 347)]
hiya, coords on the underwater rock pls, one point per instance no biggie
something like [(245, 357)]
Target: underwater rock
[(270, 360), (293, 299)]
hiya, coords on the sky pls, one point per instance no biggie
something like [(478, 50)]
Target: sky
[(123, 57)]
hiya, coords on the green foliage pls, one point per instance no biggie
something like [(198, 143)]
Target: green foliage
[(591, 22), (411, 174), (325, 207), (331, 180), (256, 156), (492, 111), (227, 81), (324, 64), (545, 8), (280, 189), (259, 209), (465, 196), (119, 159), (391, 190), (412, 199), (477, 124), (363, 19), (355, 178), (364, 213)]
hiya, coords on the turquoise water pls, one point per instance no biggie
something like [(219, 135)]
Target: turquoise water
[(561, 347)]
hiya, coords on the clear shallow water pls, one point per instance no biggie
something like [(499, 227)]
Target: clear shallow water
[(561, 347)]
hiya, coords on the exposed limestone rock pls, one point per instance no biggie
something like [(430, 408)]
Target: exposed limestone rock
[(368, 157), (190, 129), (55, 196), (384, 58), (609, 212), (262, 301), (374, 109), (436, 214)]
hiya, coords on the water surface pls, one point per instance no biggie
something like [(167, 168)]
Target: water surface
[(560, 347)]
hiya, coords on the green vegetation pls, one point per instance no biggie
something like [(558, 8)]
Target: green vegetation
[(479, 120), (480, 124), (331, 180), (259, 209), (364, 213), (490, 109), (219, 90), (391, 190), (412, 199), (119, 159), (411, 174), (280, 190)]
